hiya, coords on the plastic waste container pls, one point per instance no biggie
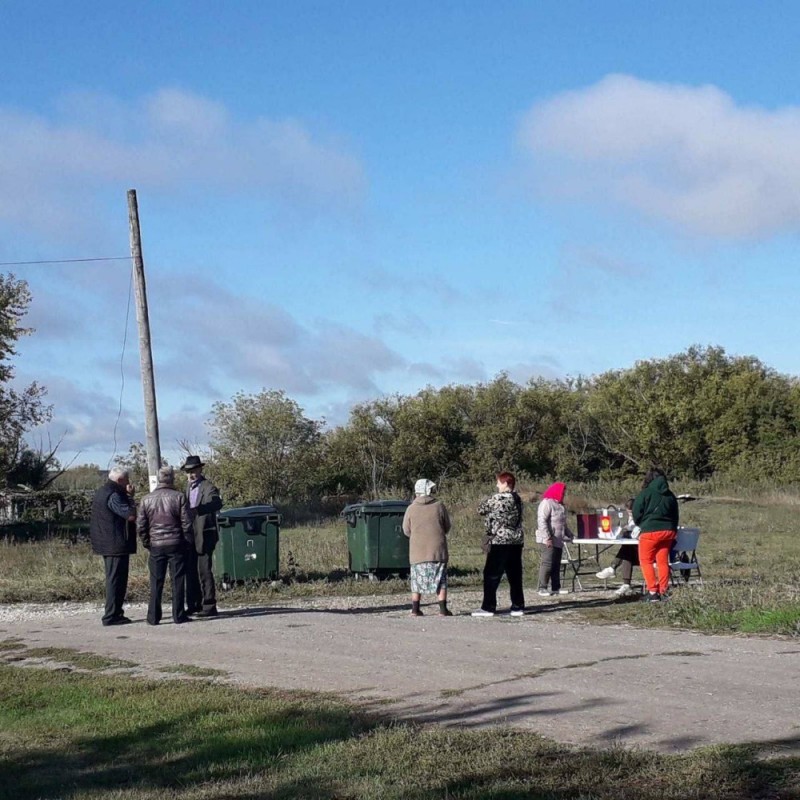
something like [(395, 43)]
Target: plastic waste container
[(248, 544), (376, 544)]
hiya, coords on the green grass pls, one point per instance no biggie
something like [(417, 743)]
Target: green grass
[(63, 655), (748, 552), (193, 671), (85, 737), (751, 564)]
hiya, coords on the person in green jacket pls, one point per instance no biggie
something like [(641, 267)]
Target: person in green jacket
[(655, 511)]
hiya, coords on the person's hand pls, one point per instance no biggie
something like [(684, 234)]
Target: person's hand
[(130, 489), (549, 543)]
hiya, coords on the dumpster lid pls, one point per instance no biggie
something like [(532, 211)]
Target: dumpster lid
[(376, 507), (247, 512)]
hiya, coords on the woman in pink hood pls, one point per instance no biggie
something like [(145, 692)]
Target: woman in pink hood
[(551, 531)]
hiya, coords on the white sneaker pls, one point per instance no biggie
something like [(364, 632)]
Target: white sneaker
[(481, 613), (624, 590), (563, 591), (517, 612), (606, 573), (544, 593)]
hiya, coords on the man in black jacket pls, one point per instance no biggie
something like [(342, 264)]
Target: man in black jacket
[(204, 503), (165, 528), (113, 536)]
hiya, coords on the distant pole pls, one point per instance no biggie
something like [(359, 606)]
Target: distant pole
[(145, 351)]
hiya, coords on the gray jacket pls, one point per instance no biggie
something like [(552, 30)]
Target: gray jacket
[(552, 523)]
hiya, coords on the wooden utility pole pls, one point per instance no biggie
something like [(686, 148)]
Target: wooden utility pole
[(145, 351)]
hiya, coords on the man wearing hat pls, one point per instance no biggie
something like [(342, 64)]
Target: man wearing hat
[(204, 502)]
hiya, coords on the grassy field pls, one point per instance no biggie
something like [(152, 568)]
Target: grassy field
[(748, 551), (66, 734)]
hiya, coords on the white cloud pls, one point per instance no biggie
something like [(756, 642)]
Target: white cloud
[(171, 141), (212, 336), (208, 343), (407, 324), (542, 366), (86, 417), (591, 281), (686, 155)]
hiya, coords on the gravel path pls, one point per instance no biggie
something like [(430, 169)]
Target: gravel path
[(577, 683)]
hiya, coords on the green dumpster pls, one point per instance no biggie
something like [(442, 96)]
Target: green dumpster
[(375, 541), (248, 544)]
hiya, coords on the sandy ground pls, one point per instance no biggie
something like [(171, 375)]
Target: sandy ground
[(576, 683)]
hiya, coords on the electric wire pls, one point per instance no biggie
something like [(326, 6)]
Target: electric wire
[(122, 368), (62, 261)]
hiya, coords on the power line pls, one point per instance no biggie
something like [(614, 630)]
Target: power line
[(62, 261), (122, 369)]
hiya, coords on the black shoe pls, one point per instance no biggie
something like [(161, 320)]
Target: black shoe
[(207, 612), (123, 620), (181, 620), (445, 612), (651, 597), (194, 610), (150, 622)]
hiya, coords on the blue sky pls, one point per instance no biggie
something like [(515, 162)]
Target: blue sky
[(345, 200)]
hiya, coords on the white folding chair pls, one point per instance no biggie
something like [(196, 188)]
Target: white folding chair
[(683, 557)]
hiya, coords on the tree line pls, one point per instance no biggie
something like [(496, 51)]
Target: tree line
[(701, 413), (697, 414), (21, 409)]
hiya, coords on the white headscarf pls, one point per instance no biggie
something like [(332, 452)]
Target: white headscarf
[(424, 487)]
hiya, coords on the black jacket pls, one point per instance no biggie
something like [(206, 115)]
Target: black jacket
[(163, 521), (204, 516), (110, 534)]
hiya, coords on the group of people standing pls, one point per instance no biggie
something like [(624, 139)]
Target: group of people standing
[(178, 529), (180, 532), (653, 518)]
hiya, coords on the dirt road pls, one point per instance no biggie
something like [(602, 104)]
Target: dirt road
[(572, 682)]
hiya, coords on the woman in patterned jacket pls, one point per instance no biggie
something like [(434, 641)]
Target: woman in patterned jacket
[(504, 541)]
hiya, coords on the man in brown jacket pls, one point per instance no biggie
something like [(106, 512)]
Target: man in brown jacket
[(426, 523), (165, 529)]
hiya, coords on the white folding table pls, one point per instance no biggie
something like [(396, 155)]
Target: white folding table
[(596, 548)]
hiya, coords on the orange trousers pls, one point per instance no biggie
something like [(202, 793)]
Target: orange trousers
[(655, 546)]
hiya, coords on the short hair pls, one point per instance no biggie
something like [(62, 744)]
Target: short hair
[(507, 478), (115, 473), (166, 475)]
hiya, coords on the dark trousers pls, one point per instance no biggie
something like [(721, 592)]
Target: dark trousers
[(550, 567), (201, 591), (503, 559), (627, 558), (116, 586), (159, 562)]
